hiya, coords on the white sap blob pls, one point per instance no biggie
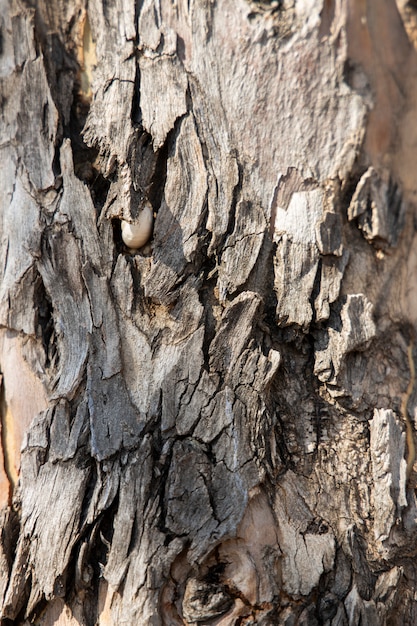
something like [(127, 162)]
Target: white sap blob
[(137, 234)]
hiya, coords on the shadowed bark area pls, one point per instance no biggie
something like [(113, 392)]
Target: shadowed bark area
[(217, 428)]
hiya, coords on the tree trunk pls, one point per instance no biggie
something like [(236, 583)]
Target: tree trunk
[(215, 426)]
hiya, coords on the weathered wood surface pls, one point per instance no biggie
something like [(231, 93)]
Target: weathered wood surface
[(212, 429)]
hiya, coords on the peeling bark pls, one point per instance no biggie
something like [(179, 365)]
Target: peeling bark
[(217, 428)]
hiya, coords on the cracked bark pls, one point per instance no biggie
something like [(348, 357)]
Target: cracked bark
[(209, 430)]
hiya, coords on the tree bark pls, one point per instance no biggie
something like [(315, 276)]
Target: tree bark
[(217, 427)]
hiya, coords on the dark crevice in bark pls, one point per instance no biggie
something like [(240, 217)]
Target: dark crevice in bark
[(56, 168), (315, 291), (89, 557), (156, 186), (105, 535), (209, 300), (135, 536), (97, 539), (99, 187), (44, 323), (73, 107), (61, 69), (136, 114), (335, 321), (272, 335), (135, 111), (270, 297), (237, 190), (159, 485), (117, 239), (321, 408), (284, 455), (34, 611), (348, 189), (289, 394), (10, 519), (88, 494), (84, 157)]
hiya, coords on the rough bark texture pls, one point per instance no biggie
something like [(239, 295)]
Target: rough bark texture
[(218, 428)]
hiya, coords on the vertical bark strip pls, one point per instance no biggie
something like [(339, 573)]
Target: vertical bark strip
[(217, 428)]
